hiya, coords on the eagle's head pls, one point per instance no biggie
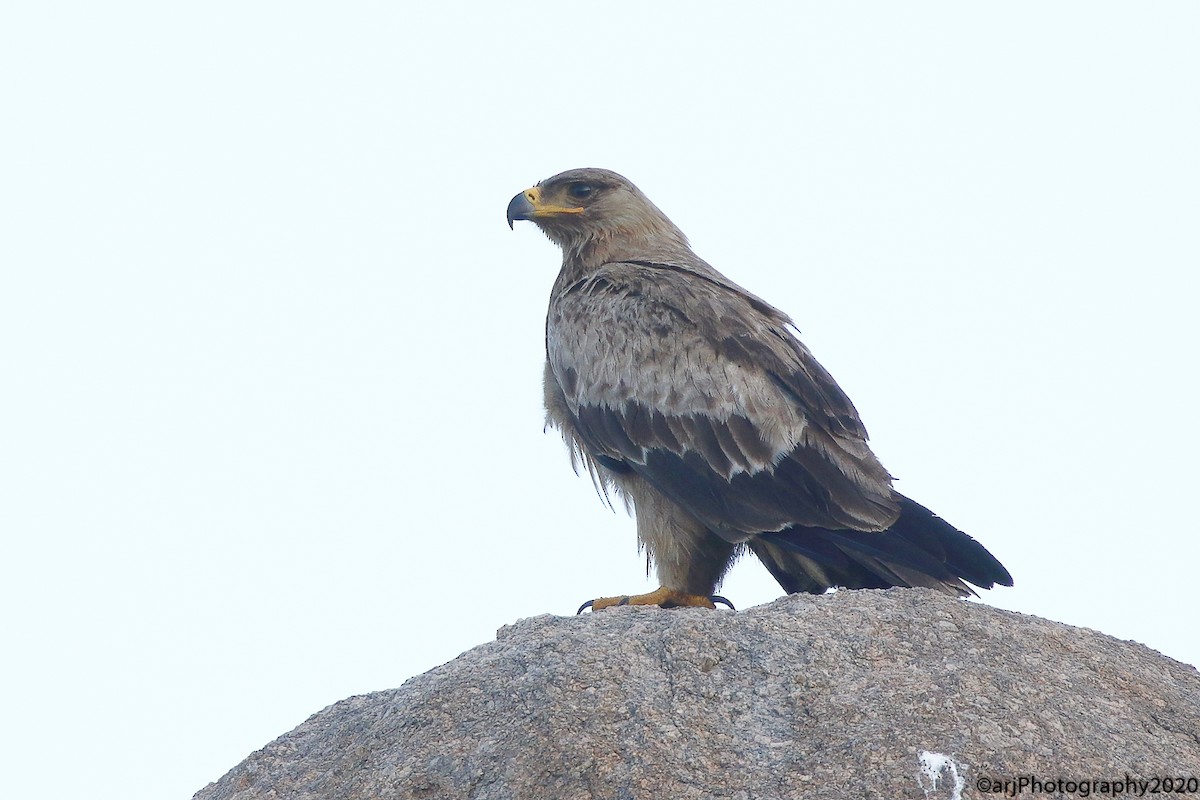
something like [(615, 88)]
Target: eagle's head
[(586, 211)]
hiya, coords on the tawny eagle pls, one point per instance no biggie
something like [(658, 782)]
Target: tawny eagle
[(694, 400)]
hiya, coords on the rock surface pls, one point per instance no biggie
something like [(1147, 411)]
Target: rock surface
[(897, 694)]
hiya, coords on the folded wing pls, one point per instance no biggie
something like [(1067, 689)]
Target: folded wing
[(701, 389)]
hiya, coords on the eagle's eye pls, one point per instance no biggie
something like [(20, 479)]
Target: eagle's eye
[(580, 191)]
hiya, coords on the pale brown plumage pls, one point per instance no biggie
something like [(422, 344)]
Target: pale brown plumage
[(693, 399)]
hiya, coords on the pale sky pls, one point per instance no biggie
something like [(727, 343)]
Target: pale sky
[(270, 420)]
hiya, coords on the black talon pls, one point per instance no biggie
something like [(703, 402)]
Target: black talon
[(716, 598), (588, 604), (624, 601)]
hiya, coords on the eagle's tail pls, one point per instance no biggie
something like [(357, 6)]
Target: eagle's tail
[(919, 549)]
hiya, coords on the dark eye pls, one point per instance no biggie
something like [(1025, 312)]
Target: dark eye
[(580, 190)]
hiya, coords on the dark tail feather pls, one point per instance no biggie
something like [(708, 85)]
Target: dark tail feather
[(919, 549)]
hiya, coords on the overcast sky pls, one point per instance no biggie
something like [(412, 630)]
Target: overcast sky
[(270, 420)]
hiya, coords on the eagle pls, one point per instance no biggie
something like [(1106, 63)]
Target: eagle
[(694, 401)]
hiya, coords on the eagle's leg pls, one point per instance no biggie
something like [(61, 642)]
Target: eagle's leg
[(662, 597), (690, 559)]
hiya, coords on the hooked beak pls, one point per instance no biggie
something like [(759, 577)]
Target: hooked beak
[(528, 205)]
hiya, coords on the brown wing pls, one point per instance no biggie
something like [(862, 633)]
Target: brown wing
[(701, 389)]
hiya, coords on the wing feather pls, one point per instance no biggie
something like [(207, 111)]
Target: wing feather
[(701, 389)]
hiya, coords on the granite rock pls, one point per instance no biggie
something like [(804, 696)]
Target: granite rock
[(902, 693)]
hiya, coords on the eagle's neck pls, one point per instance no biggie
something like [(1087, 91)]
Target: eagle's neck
[(661, 242)]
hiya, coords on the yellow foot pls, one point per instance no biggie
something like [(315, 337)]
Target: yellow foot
[(662, 596)]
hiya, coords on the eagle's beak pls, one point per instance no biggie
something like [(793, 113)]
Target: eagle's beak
[(528, 205), (521, 206)]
